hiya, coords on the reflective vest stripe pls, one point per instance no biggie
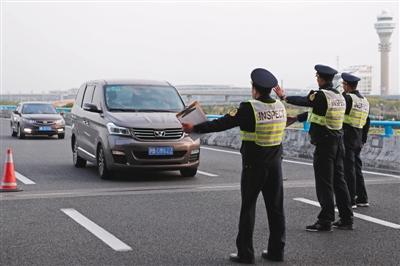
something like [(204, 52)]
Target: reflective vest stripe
[(270, 123), (333, 119), (358, 114)]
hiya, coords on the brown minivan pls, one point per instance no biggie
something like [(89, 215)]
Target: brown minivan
[(117, 123)]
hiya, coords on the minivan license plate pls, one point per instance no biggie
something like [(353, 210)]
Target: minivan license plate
[(161, 151), (44, 128)]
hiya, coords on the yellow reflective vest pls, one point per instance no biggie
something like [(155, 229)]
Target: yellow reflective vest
[(333, 119), (358, 113), (270, 123)]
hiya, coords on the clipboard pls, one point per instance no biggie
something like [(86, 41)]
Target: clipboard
[(192, 114)]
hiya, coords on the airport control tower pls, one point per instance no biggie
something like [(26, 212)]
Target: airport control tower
[(384, 27)]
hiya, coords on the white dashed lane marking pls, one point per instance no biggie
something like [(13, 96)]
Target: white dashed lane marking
[(96, 230), (205, 173), (24, 179), (358, 215)]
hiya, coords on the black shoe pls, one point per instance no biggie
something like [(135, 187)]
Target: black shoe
[(271, 257), (318, 227), (235, 258), (339, 224)]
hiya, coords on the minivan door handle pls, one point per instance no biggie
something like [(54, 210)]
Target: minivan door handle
[(86, 122)]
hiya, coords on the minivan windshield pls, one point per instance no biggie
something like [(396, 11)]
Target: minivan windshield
[(38, 108), (136, 98)]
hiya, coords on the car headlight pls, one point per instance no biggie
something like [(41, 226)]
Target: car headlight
[(116, 130), (60, 122)]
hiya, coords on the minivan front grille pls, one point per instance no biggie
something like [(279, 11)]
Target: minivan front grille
[(157, 134)]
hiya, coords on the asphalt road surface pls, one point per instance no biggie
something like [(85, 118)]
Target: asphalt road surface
[(69, 216)]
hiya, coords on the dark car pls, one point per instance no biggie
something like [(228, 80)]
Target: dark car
[(133, 124), (36, 118)]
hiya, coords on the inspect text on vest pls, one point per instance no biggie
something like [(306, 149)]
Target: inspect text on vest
[(270, 115)]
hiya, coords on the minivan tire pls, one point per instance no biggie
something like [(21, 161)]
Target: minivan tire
[(78, 161), (102, 168), (188, 172)]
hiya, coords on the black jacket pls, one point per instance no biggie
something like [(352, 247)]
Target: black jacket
[(317, 101), (244, 118), (354, 138)]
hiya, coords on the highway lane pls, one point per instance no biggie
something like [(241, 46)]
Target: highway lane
[(170, 220)]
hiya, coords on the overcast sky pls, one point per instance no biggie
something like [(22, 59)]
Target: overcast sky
[(59, 45)]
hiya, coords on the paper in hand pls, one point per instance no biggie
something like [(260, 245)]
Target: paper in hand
[(192, 114)]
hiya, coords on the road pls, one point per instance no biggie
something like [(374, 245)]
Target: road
[(69, 216)]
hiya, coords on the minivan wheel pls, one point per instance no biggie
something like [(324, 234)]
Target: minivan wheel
[(188, 172), (102, 169), (20, 134), (79, 162)]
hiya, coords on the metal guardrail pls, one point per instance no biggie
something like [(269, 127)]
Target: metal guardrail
[(387, 125), (12, 108)]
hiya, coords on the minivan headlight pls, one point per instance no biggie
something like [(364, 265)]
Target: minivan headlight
[(116, 130)]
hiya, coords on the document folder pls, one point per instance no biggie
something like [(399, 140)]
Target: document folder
[(192, 114)]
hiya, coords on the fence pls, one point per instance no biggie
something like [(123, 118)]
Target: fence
[(387, 125)]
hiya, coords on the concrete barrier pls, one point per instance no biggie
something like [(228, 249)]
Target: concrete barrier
[(379, 151)]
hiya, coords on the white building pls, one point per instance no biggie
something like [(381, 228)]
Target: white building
[(364, 72)]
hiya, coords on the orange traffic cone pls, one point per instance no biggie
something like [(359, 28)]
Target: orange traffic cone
[(9, 182)]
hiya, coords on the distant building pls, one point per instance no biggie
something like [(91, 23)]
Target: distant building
[(52, 96), (364, 72)]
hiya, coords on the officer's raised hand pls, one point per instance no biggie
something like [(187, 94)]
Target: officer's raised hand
[(187, 127), (279, 92)]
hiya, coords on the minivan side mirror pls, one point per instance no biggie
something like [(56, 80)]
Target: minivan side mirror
[(16, 112), (91, 108)]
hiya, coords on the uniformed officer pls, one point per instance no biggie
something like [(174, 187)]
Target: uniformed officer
[(355, 127), (326, 118), (262, 121)]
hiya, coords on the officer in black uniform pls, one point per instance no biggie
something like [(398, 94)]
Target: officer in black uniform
[(356, 126), (261, 171), (329, 150)]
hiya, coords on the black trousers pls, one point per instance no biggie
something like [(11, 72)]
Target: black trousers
[(330, 182), (266, 179), (354, 176)]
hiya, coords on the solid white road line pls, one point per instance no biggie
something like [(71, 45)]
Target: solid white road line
[(303, 163), (102, 234), (205, 173), (358, 215), (24, 179)]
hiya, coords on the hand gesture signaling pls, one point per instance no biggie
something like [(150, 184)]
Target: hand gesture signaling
[(279, 92)]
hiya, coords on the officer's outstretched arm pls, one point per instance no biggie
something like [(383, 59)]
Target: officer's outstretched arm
[(291, 120), (302, 117)]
